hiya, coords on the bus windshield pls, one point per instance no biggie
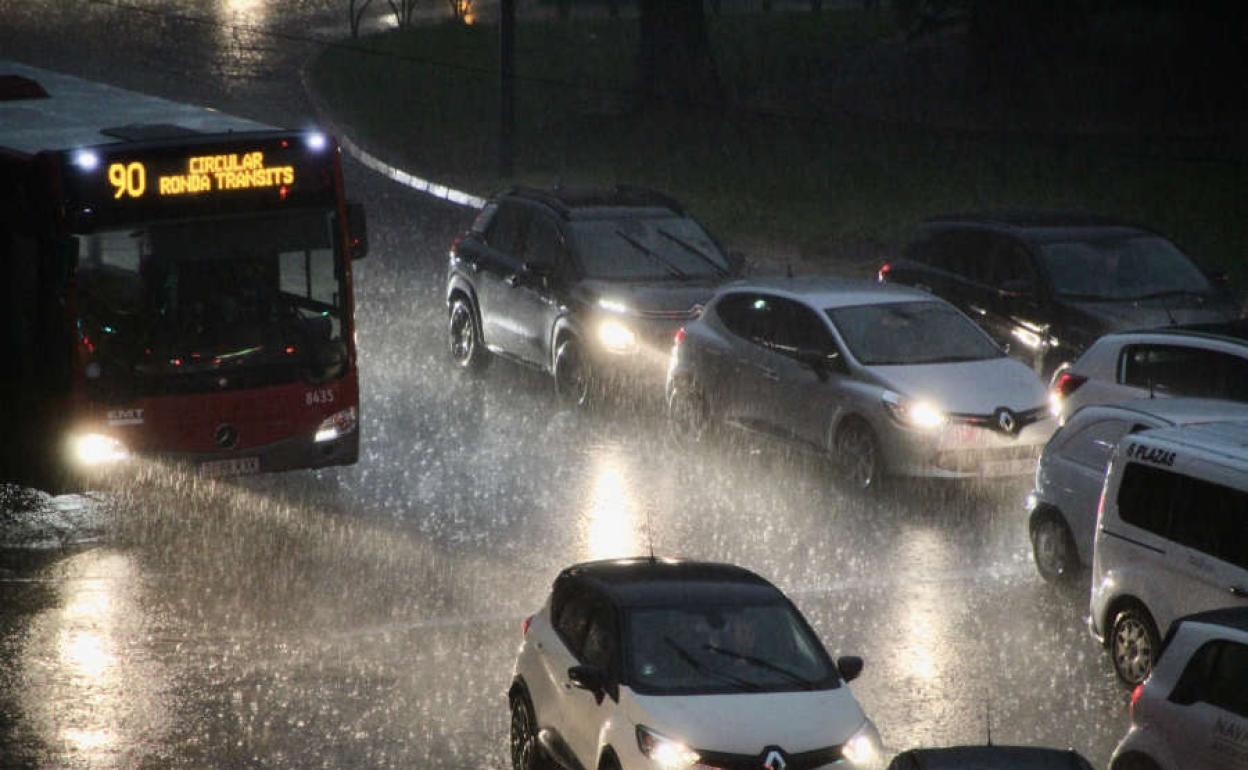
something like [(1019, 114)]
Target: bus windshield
[(211, 304)]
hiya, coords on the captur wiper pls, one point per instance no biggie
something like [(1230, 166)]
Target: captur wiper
[(694, 250), (763, 663), (636, 244), (698, 666)]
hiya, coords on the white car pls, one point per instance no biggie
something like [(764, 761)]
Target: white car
[(1202, 361), (645, 663), (1071, 473), (1192, 713), (1171, 539)]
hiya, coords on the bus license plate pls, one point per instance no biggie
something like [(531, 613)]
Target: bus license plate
[(1017, 467), (238, 466)]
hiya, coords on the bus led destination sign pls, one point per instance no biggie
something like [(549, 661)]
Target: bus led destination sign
[(201, 174)]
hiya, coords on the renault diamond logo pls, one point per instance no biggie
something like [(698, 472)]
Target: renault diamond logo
[(775, 760), (1006, 420), (226, 436)]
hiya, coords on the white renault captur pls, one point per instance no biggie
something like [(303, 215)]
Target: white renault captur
[(657, 663)]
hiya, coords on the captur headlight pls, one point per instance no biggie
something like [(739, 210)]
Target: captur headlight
[(337, 424), (862, 749), (665, 752), (616, 337), (98, 449), (914, 413)]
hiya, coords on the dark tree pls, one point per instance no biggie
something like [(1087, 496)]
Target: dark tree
[(674, 56), (355, 14)]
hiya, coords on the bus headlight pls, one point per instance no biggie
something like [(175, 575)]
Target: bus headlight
[(337, 425), (94, 449), (616, 337)]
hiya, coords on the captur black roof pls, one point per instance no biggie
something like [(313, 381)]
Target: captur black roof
[(642, 582), (1231, 617), (992, 758), (566, 200)]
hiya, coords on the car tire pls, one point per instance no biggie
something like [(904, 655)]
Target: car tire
[(608, 761), (1053, 548), (573, 375), (464, 331), (1134, 761), (1133, 644), (688, 414), (526, 752), (856, 457)]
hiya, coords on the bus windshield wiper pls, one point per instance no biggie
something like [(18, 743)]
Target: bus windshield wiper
[(698, 666), (636, 244), (694, 250), (763, 663)]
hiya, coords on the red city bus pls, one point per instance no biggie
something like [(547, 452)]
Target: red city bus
[(178, 286)]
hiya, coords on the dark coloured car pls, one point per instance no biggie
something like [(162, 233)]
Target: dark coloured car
[(989, 758), (589, 285), (1049, 284)]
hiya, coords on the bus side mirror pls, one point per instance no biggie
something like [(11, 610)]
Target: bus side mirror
[(357, 231)]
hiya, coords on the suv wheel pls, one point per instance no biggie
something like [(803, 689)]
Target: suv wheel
[(526, 752), (573, 377), (465, 337), (1053, 548), (688, 414), (1133, 644), (856, 456)]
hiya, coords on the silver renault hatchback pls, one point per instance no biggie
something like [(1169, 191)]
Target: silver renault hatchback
[(884, 379)]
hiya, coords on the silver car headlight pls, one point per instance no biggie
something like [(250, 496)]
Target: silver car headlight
[(913, 413), (863, 747), (665, 752), (616, 337), (337, 425)]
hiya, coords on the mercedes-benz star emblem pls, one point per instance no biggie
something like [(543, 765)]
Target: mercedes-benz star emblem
[(1006, 420), (226, 436), (775, 760)]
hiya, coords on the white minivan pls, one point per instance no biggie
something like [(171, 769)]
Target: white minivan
[(1172, 537)]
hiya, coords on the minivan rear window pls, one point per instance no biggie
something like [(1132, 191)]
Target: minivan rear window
[(1192, 512)]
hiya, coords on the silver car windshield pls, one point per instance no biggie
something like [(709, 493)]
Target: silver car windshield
[(911, 333)]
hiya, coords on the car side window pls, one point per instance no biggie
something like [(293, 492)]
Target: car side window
[(542, 244), (749, 316), (1192, 682), (1194, 513), (1226, 688), (482, 221), (600, 639), (799, 328), (573, 620), (1092, 446), (966, 254), (1144, 496), (1184, 371), (505, 232), (1011, 268)]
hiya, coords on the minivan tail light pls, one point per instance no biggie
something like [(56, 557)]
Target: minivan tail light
[(1135, 698), (679, 338), (455, 244), (524, 625), (885, 269), (1067, 383)]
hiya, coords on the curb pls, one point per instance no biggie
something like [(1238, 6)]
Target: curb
[(371, 161)]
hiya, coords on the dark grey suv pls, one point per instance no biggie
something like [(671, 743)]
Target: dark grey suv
[(589, 285), (1047, 284)]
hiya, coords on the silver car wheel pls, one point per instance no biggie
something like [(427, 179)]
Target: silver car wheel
[(857, 456), (1133, 648), (1051, 549)]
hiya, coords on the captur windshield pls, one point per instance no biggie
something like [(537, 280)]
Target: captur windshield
[(1121, 269), (211, 304), (728, 648), (911, 333), (646, 248)]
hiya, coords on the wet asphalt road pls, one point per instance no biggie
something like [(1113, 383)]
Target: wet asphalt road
[(368, 616)]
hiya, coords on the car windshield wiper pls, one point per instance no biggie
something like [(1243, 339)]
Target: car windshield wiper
[(694, 250), (698, 666), (1169, 293), (636, 244), (763, 663)]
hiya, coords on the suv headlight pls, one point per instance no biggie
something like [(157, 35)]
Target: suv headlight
[(913, 414), (616, 337), (667, 753), (338, 424), (94, 449), (863, 747)]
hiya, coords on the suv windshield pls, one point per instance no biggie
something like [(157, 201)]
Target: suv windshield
[(911, 333), (1123, 268), (210, 304), (724, 648), (650, 248)]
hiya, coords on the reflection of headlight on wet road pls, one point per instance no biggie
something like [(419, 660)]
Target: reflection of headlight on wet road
[(98, 449), (616, 337), (336, 425)]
